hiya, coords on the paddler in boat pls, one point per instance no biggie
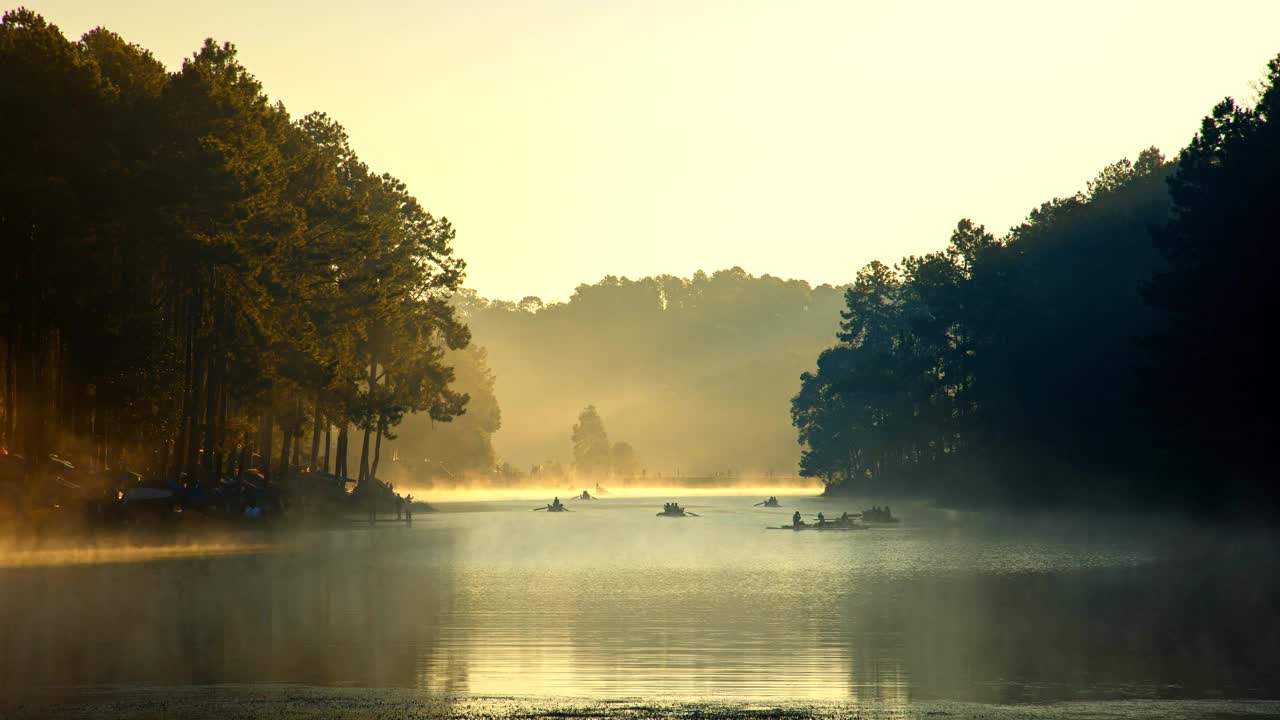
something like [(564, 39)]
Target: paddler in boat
[(845, 519), (821, 519), (555, 504), (795, 520)]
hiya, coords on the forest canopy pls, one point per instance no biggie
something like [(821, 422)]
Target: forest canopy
[(193, 277), (1112, 348)]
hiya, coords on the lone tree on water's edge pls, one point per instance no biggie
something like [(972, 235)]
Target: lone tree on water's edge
[(591, 449)]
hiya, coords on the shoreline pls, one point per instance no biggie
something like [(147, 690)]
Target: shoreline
[(286, 701)]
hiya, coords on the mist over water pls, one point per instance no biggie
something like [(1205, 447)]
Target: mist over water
[(490, 598)]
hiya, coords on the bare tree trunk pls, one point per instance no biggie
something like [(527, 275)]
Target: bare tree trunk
[(315, 436), (264, 440), (364, 449), (286, 437), (364, 457), (213, 396), (198, 403), (327, 433), (188, 390), (340, 461), (377, 451)]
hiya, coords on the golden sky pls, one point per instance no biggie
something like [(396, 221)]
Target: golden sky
[(570, 139)]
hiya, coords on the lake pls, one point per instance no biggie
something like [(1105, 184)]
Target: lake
[(488, 598)]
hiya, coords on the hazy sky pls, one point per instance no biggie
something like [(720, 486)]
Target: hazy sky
[(572, 139)]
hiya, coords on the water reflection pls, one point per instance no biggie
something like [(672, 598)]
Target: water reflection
[(324, 608), (610, 601)]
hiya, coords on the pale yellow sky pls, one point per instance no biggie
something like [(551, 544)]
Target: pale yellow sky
[(571, 139)]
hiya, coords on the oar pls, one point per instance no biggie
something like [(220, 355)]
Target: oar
[(542, 508), (760, 503), (686, 512)]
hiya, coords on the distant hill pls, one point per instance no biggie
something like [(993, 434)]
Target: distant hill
[(696, 373)]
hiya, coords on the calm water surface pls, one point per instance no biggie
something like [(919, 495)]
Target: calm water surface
[(610, 601)]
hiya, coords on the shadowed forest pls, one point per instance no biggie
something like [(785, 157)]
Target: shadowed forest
[(197, 284), (1111, 349)]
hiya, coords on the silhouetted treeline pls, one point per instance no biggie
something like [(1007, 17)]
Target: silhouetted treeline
[(695, 372), (1110, 349), (190, 275)]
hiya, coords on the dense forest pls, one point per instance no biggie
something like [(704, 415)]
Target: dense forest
[(194, 281), (1111, 349), (694, 373)]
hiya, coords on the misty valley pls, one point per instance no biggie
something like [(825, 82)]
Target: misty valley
[(277, 441)]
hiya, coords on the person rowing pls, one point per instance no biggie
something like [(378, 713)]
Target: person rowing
[(796, 521), (554, 506)]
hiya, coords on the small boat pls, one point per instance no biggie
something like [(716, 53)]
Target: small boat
[(878, 515), (770, 503), (674, 510), (824, 526), (585, 496)]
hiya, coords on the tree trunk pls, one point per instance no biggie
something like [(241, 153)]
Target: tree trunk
[(364, 449), (315, 436), (327, 432), (377, 452), (340, 461), (364, 457), (193, 458), (286, 437), (213, 395), (264, 441)]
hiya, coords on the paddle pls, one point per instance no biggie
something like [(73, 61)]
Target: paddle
[(686, 512)]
